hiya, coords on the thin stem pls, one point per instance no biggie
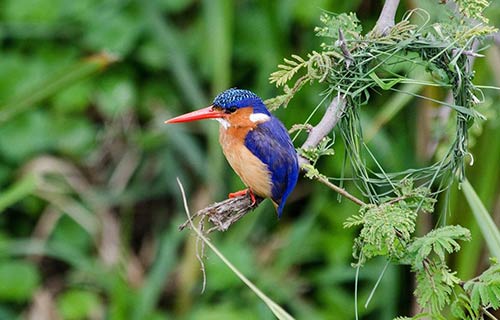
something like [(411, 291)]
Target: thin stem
[(486, 312), (339, 190)]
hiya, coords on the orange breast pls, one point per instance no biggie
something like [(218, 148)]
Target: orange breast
[(252, 171)]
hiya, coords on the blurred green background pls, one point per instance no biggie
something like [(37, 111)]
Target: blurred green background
[(89, 205)]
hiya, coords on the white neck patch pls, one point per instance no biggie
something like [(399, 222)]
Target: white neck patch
[(259, 117), (223, 122)]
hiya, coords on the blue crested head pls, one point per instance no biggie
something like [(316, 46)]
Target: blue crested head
[(234, 98)]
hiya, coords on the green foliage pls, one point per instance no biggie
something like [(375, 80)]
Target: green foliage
[(17, 191), (473, 9), (483, 218), (485, 289), (470, 23), (18, 280), (434, 287), (352, 65), (439, 241), (288, 70), (347, 22), (387, 228), (79, 304), (324, 148)]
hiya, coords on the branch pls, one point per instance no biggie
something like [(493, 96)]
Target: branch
[(330, 119), (496, 38), (339, 190), (343, 47), (223, 214), (386, 19)]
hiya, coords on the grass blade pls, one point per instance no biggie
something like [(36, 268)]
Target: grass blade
[(279, 312), (17, 191), (486, 224)]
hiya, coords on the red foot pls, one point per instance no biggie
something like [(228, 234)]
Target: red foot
[(242, 193)]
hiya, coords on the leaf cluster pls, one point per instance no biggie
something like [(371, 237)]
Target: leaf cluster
[(324, 148), (434, 287), (473, 9), (354, 65), (438, 242), (387, 228), (485, 289), (469, 22), (427, 257), (332, 23), (437, 287)]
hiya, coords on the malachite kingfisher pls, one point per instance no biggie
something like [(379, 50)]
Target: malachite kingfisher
[(255, 143)]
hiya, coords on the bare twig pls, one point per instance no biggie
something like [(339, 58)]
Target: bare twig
[(343, 47), (330, 119), (496, 38), (386, 19), (223, 214), (340, 191)]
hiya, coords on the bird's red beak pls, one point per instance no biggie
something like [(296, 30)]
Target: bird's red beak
[(205, 113)]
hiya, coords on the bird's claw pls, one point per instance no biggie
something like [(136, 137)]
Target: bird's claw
[(243, 193)]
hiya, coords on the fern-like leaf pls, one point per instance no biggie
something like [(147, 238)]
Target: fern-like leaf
[(386, 230), (435, 284), (484, 291), (286, 71), (440, 241)]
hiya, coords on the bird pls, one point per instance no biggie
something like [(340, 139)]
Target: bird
[(255, 143)]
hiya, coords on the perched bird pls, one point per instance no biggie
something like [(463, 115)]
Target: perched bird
[(255, 143)]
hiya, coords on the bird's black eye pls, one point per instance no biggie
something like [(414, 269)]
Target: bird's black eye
[(230, 109)]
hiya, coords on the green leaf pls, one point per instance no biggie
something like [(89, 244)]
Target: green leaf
[(488, 227), (18, 280), (75, 98), (73, 135), (347, 22), (387, 228), (43, 131), (71, 234), (17, 191), (79, 304), (434, 287), (440, 241), (18, 145), (484, 291)]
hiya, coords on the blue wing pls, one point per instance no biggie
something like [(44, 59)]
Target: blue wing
[(270, 142)]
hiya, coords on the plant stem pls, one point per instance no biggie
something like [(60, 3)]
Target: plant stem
[(339, 190)]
